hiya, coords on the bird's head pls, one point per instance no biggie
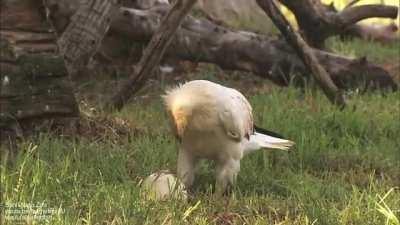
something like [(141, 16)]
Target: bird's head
[(180, 119), (179, 108)]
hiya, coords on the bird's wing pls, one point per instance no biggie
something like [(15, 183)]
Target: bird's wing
[(235, 115)]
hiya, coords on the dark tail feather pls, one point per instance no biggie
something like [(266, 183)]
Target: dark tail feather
[(268, 132)]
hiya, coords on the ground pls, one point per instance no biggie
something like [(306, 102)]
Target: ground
[(344, 169)]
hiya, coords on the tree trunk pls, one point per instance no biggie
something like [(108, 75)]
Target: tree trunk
[(85, 32), (35, 91)]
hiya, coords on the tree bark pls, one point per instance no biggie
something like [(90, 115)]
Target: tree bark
[(317, 22), (304, 52), (201, 40), (85, 32), (34, 87)]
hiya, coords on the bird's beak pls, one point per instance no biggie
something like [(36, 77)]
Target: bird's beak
[(180, 125)]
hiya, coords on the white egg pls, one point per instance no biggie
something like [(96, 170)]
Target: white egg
[(163, 185)]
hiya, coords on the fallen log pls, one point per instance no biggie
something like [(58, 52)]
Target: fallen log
[(201, 40)]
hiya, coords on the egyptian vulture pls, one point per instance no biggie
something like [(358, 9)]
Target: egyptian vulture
[(215, 122)]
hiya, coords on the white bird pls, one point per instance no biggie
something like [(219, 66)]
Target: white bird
[(215, 122)]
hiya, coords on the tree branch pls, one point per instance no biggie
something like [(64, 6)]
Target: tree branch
[(304, 52), (355, 14), (152, 54), (318, 22)]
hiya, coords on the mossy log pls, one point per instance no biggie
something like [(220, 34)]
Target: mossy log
[(34, 86)]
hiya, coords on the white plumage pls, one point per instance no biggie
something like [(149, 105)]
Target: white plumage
[(214, 122)]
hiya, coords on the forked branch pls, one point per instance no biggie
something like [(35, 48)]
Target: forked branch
[(304, 52), (152, 54)]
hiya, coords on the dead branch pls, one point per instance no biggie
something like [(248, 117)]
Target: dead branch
[(318, 22), (303, 51), (152, 54), (355, 14)]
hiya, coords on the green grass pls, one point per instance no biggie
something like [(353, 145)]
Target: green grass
[(372, 50), (345, 169)]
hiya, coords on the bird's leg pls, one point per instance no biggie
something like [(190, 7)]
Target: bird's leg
[(186, 167), (226, 175)]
